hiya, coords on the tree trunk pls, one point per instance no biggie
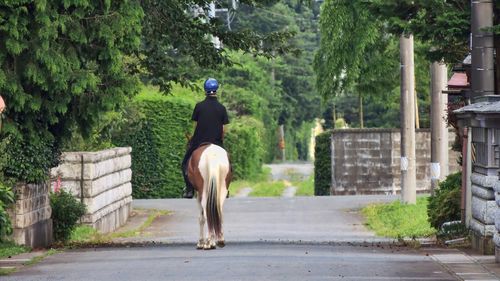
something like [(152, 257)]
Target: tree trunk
[(360, 99)]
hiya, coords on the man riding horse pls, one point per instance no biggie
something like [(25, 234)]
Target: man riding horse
[(210, 120)]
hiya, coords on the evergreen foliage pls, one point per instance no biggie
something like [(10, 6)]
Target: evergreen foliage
[(158, 144), (443, 25), (175, 40), (245, 146), (62, 63), (359, 58), (323, 164)]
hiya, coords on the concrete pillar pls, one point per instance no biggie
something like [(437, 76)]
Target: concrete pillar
[(483, 70), (439, 130), (408, 169)]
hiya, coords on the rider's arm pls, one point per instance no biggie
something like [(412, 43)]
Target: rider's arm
[(189, 135)]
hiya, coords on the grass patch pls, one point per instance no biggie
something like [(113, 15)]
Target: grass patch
[(131, 233), (87, 234), (83, 233), (268, 189), (399, 220), (236, 186), (6, 271), (9, 248), (305, 188), (35, 260), (38, 259)]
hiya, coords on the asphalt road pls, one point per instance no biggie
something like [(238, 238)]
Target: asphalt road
[(277, 219), (238, 261), (300, 238)]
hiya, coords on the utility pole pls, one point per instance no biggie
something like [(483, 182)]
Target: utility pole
[(439, 129), (483, 72), (417, 116), (408, 169)]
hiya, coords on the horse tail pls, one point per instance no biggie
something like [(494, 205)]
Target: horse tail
[(214, 208)]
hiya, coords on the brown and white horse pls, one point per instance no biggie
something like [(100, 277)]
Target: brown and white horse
[(209, 172)]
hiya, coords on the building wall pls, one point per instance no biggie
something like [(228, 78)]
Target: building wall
[(367, 161), (30, 215), (102, 181)]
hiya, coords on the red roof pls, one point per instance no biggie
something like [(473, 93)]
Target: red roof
[(458, 80)]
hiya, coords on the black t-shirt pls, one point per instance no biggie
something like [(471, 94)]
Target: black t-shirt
[(210, 116)]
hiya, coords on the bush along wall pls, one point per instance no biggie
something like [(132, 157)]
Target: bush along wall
[(158, 145), (322, 164), (244, 143), (444, 205)]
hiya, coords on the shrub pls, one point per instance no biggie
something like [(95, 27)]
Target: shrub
[(6, 194), (244, 143), (322, 165), (66, 211), (156, 135), (6, 198), (444, 205), (158, 144), (29, 160)]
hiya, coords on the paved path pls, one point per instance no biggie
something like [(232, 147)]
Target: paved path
[(316, 219), (289, 191), (299, 238), (291, 171), (240, 262)]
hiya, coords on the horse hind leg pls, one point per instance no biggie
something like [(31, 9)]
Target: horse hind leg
[(202, 221)]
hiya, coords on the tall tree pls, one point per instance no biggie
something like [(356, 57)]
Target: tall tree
[(443, 24), (178, 37), (62, 63), (356, 54)]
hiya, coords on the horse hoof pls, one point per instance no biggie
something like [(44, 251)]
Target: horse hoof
[(198, 247), (221, 244), (209, 247)]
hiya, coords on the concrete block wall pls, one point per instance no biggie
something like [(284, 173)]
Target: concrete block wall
[(30, 215), (367, 161), (101, 180)]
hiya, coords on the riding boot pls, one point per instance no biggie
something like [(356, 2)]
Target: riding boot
[(188, 193)]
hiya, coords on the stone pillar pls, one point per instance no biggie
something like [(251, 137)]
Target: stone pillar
[(483, 117), (31, 222)]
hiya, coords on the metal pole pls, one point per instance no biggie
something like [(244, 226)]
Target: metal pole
[(439, 130), (483, 69), (408, 169)]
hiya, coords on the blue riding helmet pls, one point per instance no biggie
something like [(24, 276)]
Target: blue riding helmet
[(211, 85)]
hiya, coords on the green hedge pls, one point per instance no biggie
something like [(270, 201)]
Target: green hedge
[(322, 165), (155, 131), (244, 143), (158, 145)]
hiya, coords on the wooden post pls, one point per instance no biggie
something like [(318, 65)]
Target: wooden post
[(282, 142), (408, 169)]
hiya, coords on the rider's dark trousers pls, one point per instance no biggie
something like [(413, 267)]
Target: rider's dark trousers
[(191, 148)]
